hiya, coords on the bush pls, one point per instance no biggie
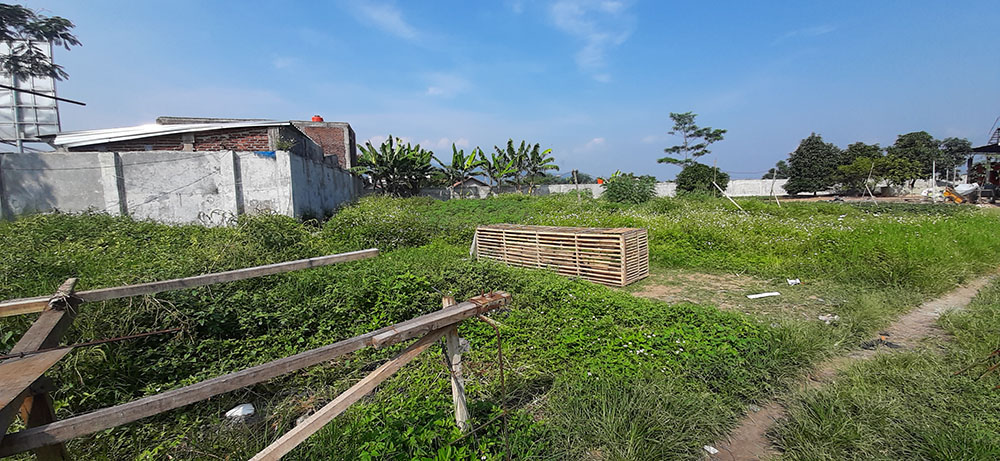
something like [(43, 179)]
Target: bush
[(377, 222), (697, 177), (629, 188)]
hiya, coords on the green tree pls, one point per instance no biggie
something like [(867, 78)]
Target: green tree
[(537, 164), (698, 178), (694, 139), (395, 168), (954, 152), (918, 147), (497, 167), (23, 30), (629, 188), (779, 171), (813, 166), (860, 150), (897, 170), (861, 172), (462, 167)]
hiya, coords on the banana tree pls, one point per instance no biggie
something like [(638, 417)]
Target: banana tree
[(462, 167), (395, 168), (537, 164), (497, 167)]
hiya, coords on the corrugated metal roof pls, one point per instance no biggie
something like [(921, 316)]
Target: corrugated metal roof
[(91, 137)]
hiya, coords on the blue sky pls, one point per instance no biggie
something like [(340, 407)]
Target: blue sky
[(593, 80)]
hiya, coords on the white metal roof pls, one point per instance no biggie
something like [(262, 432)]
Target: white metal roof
[(91, 137)]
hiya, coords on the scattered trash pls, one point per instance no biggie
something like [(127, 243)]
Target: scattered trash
[(764, 295), (711, 450), (753, 408), (794, 281), (880, 341), (240, 412), (829, 318)]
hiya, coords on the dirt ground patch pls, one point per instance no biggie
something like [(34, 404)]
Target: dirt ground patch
[(728, 291), (749, 440)]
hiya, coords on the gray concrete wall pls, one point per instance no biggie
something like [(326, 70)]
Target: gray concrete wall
[(736, 188), (211, 188)]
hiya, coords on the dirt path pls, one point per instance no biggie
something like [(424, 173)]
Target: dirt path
[(749, 440)]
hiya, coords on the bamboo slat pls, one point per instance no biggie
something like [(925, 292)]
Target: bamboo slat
[(615, 257)]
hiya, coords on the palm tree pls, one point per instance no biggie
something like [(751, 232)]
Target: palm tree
[(462, 167), (537, 164), (395, 168)]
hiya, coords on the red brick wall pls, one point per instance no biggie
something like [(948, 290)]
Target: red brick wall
[(238, 139), (330, 138), (168, 142)]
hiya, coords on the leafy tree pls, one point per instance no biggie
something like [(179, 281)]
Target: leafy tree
[(919, 147), (813, 166), (629, 188), (462, 167), (537, 164), (23, 30), (779, 171), (694, 139), (859, 150), (496, 167), (697, 177), (855, 175), (897, 170), (395, 168), (517, 161), (954, 152)]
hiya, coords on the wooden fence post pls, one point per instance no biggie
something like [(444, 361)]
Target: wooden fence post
[(453, 356)]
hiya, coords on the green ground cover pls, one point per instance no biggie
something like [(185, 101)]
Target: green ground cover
[(591, 372), (909, 405)]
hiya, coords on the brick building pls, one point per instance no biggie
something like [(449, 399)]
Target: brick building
[(334, 142)]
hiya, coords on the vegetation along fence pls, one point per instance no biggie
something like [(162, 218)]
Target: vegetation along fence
[(24, 388), (615, 257)]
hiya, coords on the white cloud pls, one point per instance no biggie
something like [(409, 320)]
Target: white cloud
[(590, 145), (386, 17), (446, 85), (462, 142), (517, 6), (600, 24), (813, 31)]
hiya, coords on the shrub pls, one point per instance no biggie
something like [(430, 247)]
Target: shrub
[(377, 222), (697, 177), (629, 188)]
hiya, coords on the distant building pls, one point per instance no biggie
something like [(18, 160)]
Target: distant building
[(183, 170), (334, 140)]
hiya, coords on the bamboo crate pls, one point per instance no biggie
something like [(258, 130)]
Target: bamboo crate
[(615, 257)]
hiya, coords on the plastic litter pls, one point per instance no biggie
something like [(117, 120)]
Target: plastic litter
[(794, 281), (966, 189), (711, 450), (829, 318), (240, 411), (764, 295)]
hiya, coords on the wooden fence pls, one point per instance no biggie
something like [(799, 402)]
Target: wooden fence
[(24, 388), (615, 257)]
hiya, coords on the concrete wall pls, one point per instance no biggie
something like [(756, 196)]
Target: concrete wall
[(211, 188), (736, 188)]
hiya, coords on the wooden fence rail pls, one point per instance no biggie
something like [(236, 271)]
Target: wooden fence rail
[(22, 384), (40, 303)]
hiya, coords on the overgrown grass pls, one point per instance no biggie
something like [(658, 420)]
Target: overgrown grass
[(582, 361), (909, 405)]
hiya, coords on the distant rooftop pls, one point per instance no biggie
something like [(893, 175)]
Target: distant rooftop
[(72, 139)]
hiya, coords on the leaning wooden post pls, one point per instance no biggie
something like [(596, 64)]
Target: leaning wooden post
[(37, 407), (453, 356)]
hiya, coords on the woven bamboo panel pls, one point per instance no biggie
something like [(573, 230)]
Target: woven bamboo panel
[(615, 257)]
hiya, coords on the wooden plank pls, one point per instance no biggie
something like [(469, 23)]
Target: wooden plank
[(317, 420), (95, 421), (20, 373), (453, 357), (38, 304), (46, 332)]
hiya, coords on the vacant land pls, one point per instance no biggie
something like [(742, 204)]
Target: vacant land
[(653, 371)]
